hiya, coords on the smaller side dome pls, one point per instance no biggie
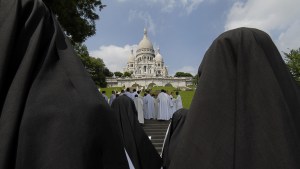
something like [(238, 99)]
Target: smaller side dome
[(158, 56), (131, 57)]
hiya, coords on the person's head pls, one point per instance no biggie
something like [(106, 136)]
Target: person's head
[(103, 92), (138, 92), (177, 93), (162, 90), (134, 90), (122, 91), (113, 92), (136, 95), (128, 90), (145, 94)]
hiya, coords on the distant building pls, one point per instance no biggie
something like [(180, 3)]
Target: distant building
[(147, 62), (147, 68)]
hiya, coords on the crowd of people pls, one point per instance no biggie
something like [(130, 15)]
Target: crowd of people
[(244, 115), (150, 106)]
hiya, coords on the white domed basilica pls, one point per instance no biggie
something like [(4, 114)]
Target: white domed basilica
[(148, 69), (146, 62)]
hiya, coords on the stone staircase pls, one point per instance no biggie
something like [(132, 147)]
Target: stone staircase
[(157, 131)]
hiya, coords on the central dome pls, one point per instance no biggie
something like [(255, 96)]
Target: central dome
[(145, 42)]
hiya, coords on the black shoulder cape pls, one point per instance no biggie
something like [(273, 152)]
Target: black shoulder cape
[(52, 115), (173, 136), (246, 110), (137, 144)]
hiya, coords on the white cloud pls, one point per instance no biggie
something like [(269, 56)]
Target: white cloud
[(114, 57), (290, 38), (190, 5), (171, 5), (278, 18), (187, 69), (146, 17)]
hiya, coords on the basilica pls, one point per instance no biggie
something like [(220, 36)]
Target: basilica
[(147, 68), (146, 62)]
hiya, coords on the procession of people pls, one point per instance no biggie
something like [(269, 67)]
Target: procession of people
[(151, 106)]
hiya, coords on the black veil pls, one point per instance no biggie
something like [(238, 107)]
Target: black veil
[(246, 110), (52, 115), (140, 149)]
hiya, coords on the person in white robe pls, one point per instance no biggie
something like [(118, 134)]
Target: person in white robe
[(138, 101), (134, 92), (112, 97), (155, 113), (163, 110), (171, 105), (178, 101), (145, 107), (128, 93), (104, 95), (150, 105)]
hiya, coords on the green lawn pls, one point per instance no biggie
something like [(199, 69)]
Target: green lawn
[(186, 96)]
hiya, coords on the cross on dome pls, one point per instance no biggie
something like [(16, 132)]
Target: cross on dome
[(145, 32)]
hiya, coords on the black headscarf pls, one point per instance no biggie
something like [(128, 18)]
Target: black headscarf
[(245, 112), (138, 146), (52, 115), (173, 136)]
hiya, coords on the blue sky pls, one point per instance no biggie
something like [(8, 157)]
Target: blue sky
[(184, 29)]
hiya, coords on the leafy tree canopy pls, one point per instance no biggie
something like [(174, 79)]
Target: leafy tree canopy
[(127, 74), (77, 17), (293, 62), (94, 66), (118, 74), (183, 74)]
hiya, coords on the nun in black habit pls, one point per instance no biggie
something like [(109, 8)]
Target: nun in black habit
[(173, 136), (51, 113), (246, 110), (137, 144)]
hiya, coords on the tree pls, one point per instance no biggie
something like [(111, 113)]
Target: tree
[(94, 66), (195, 79), (293, 62), (77, 17), (118, 74), (183, 74), (107, 73), (127, 74)]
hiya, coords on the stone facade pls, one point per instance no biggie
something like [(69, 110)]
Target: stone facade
[(148, 68), (146, 81)]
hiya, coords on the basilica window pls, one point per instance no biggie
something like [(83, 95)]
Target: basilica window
[(131, 65), (145, 69)]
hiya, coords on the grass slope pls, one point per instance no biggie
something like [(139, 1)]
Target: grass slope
[(186, 96)]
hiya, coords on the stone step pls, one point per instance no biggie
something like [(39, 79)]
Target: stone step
[(157, 144), (157, 137), (157, 140), (154, 133), (157, 131), (156, 127)]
